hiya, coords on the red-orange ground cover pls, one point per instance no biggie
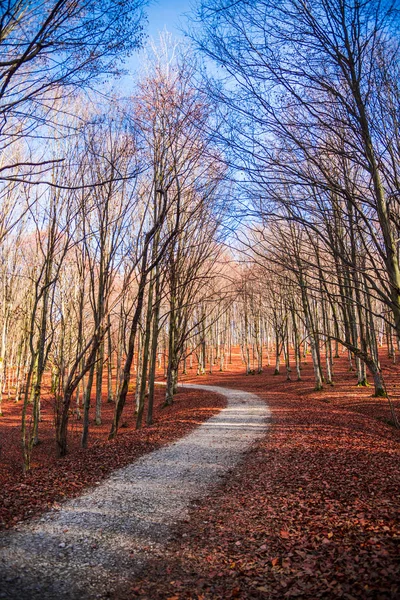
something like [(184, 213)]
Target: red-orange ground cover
[(52, 480), (314, 513)]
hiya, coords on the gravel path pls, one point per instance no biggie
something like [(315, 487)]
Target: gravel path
[(94, 544)]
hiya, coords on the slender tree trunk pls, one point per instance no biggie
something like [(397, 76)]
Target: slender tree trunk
[(126, 373), (86, 407), (99, 383), (146, 350), (277, 353), (110, 394), (172, 366), (154, 342)]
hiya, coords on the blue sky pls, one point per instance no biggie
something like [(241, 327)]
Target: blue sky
[(162, 14), (167, 13)]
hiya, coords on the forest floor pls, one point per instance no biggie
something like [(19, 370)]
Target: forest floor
[(314, 513), (93, 545), (52, 480)]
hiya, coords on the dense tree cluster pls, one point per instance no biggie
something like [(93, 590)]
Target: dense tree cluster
[(312, 90), (112, 214)]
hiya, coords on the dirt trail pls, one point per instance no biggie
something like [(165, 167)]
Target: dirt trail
[(94, 544)]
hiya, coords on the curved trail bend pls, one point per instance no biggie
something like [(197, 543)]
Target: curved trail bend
[(96, 543)]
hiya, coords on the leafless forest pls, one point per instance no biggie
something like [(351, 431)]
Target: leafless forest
[(231, 217), (247, 194)]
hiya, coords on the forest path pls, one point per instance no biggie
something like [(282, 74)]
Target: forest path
[(96, 543)]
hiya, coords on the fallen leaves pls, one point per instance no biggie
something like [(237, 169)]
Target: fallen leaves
[(312, 513), (284, 534), (52, 480)]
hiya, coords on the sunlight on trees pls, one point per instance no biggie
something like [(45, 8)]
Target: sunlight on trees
[(311, 95), (255, 207)]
